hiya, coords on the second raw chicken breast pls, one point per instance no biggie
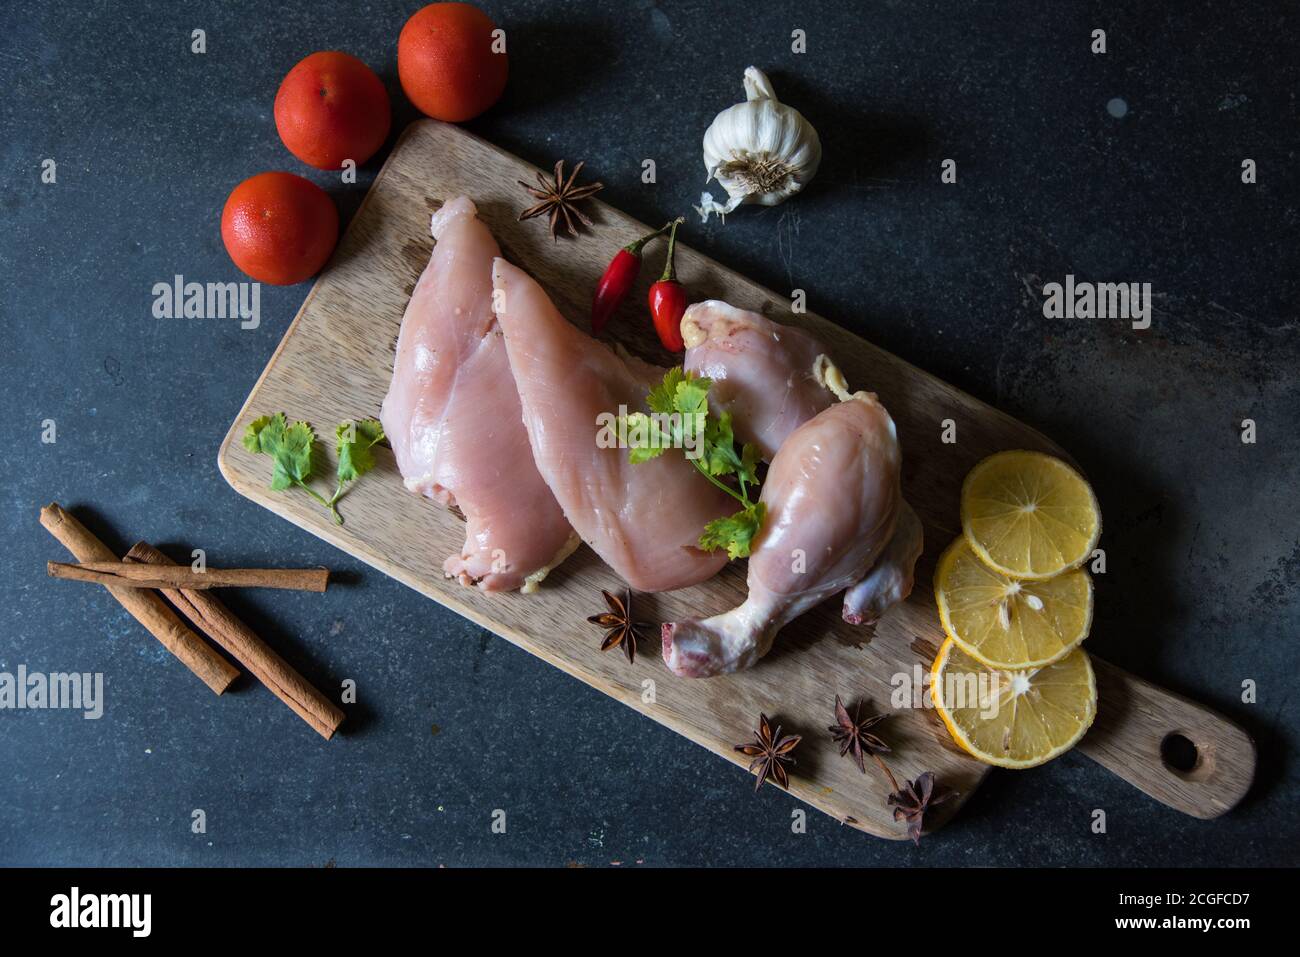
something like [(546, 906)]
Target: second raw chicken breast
[(644, 520)]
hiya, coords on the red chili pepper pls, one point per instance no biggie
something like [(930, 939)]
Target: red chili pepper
[(618, 279), (668, 302)]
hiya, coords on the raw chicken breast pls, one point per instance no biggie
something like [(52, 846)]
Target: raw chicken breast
[(453, 417), (833, 499), (764, 374), (643, 520)]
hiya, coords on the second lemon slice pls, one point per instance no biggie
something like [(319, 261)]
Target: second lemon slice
[(1014, 719), (1028, 514), (1007, 622)]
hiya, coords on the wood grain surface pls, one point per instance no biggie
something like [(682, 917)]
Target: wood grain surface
[(335, 363)]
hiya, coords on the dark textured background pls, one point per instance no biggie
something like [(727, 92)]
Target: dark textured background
[(1201, 530)]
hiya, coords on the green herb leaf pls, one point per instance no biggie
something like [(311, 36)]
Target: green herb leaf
[(252, 440), (719, 446), (645, 454), (736, 532), (296, 456), (663, 397), (749, 459), (720, 456), (691, 397), (644, 437), (354, 441), (711, 447), (290, 448)]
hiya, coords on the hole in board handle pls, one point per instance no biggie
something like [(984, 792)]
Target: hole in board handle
[(1181, 756)]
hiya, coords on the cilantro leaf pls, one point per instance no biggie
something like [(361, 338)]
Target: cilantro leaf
[(719, 446), (663, 397), (290, 448), (252, 435), (643, 436), (749, 458), (691, 396), (736, 532), (296, 455), (679, 407), (645, 453), (354, 441)]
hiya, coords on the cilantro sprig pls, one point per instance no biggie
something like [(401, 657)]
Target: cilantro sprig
[(679, 418), (296, 453)]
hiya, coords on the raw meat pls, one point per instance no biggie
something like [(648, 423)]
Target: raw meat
[(453, 418), (833, 499), (644, 520), (764, 374)]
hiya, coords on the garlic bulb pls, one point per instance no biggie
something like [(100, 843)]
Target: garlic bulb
[(761, 151)]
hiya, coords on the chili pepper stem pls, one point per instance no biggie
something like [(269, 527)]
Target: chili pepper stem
[(670, 274), (636, 246)]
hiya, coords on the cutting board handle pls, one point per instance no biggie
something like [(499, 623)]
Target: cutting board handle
[(1177, 751)]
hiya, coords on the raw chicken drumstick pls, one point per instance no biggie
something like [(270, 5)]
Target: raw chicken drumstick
[(772, 379), (644, 520), (833, 500), (452, 415)]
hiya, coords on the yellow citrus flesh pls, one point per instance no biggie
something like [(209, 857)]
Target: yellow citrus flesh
[(1029, 515), (1013, 719), (1005, 622)]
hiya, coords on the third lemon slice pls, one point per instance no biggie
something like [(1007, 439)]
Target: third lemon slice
[(1007, 622), (1028, 514), (1014, 719)]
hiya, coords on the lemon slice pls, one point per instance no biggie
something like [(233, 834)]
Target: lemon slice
[(1006, 622), (1029, 515), (1014, 719)]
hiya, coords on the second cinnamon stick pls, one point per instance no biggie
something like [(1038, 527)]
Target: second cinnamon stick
[(211, 617)]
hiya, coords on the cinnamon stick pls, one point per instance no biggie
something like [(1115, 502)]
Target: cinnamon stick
[(146, 607), (216, 621), (134, 575)]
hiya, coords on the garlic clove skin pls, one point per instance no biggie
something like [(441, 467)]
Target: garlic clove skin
[(757, 85), (761, 151)]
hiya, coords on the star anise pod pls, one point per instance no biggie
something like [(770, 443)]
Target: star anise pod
[(851, 734), (770, 752), (622, 629), (913, 800), (559, 197)]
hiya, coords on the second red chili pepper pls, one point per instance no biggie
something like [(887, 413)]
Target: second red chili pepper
[(618, 279), (668, 302)]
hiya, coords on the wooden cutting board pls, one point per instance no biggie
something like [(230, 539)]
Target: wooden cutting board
[(335, 363)]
